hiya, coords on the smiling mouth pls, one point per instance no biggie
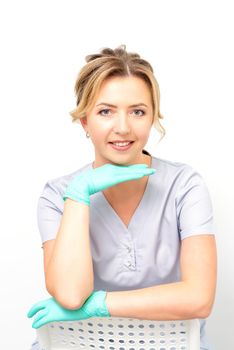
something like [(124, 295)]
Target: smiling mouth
[(121, 146), (121, 143)]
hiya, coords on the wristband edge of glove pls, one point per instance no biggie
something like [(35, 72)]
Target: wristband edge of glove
[(77, 199)]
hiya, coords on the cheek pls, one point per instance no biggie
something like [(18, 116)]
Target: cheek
[(143, 134), (99, 134)]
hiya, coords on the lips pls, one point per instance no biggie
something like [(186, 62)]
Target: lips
[(119, 141), (124, 147)]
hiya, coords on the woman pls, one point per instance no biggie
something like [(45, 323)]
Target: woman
[(128, 235)]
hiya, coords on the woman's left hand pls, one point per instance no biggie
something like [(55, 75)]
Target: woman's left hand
[(50, 311)]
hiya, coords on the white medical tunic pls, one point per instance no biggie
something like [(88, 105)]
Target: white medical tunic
[(176, 204)]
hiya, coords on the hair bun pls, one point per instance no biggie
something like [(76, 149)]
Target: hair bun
[(106, 51), (91, 57)]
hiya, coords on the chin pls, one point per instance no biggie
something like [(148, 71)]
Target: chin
[(124, 162)]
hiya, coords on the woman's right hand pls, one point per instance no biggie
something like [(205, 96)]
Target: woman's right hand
[(98, 179), (50, 310)]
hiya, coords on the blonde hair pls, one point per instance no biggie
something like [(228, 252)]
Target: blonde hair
[(111, 63)]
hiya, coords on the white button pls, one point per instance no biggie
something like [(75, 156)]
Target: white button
[(128, 264)]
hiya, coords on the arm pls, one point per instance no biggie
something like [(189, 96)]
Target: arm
[(68, 264), (192, 297), (67, 259)]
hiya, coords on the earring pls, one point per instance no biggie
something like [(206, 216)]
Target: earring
[(87, 134)]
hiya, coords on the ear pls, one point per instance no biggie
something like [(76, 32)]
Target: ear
[(83, 122)]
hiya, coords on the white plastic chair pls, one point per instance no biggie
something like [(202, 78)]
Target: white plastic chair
[(120, 334)]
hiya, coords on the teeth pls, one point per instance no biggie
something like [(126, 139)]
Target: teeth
[(121, 144)]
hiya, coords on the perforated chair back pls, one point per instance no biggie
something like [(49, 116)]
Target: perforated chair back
[(120, 334)]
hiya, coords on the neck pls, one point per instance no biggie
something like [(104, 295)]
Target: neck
[(127, 190)]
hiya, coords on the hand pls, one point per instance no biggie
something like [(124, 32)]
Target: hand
[(50, 311), (95, 180)]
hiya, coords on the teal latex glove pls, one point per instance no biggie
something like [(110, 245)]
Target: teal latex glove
[(95, 180), (50, 311)]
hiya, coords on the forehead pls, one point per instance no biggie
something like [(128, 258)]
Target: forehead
[(124, 88)]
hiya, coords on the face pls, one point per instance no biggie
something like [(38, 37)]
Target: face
[(122, 112)]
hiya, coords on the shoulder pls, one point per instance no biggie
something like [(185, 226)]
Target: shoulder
[(169, 165), (176, 172), (55, 187)]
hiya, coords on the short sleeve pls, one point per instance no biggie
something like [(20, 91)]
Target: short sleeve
[(194, 206), (49, 211)]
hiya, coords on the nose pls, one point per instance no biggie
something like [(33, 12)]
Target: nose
[(121, 125)]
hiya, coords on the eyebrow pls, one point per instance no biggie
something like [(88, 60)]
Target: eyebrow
[(110, 105)]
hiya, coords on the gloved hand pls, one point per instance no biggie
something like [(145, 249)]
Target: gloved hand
[(95, 180), (50, 311)]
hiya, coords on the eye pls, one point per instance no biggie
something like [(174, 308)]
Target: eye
[(139, 112), (104, 112)]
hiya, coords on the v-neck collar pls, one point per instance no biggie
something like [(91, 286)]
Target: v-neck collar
[(139, 216), (137, 210)]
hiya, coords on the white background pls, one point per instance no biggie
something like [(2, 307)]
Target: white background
[(43, 45)]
